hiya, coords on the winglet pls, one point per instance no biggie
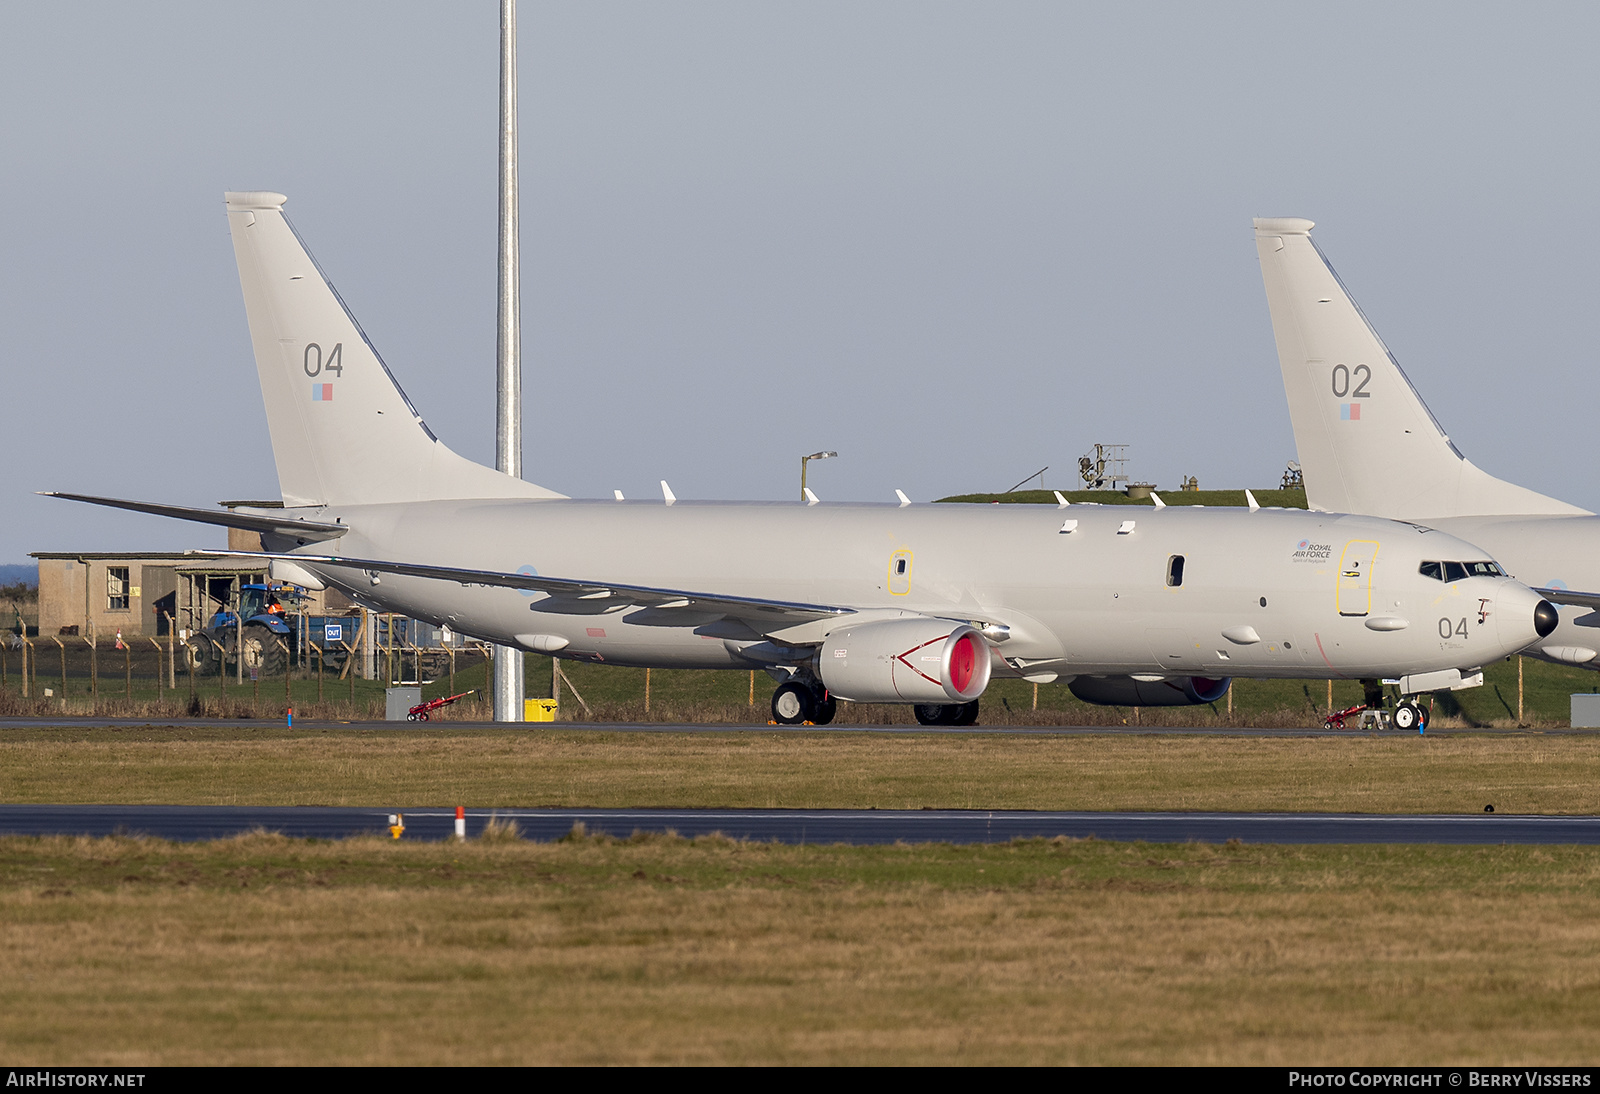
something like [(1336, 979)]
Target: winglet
[(618, 494), (1250, 500), (904, 501), (1061, 501), (1155, 497), (811, 499), (666, 492)]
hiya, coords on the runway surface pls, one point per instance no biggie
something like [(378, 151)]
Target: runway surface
[(667, 727), (804, 825)]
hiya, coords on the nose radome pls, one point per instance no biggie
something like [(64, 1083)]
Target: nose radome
[(1545, 618), (1521, 617)]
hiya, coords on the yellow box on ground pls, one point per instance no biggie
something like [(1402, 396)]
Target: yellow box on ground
[(538, 710)]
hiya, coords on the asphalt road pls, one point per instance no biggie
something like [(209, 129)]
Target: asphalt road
[(667, 727), (854, 826)]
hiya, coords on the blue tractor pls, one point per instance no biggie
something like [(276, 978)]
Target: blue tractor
[(266, 623)]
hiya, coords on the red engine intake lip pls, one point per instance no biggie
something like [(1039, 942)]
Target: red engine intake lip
[(964, 662)]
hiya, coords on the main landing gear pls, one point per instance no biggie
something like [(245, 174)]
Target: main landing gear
[(797, 702), (947, 714), (801, 701)]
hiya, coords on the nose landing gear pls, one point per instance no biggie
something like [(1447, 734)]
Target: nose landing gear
[(1408, 714)]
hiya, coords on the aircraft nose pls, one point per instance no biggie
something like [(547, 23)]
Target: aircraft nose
[(1545, 618)]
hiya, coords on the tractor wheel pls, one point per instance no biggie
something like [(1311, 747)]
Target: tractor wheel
[(261, 653), (200, 654)]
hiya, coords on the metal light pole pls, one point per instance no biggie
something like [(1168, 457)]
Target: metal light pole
[(803, 461), (508, 677)]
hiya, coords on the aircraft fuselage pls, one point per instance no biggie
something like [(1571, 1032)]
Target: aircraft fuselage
[(1083, 590)]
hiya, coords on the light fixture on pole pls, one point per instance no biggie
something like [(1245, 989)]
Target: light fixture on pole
[(804, 460)]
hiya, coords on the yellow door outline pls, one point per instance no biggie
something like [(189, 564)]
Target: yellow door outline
[(900, 575), (1360, 558)]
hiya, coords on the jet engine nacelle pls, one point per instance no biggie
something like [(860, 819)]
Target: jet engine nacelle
[(905, 661), (1125, 691)]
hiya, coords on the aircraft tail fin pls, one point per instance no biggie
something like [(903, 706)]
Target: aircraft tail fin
[(342, 430), (1367, 442)]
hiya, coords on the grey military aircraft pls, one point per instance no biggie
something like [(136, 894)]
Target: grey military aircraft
[(1368, 444), (892, 603)]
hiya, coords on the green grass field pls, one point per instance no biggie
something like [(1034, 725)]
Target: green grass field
[(525, 767), (261, 950)]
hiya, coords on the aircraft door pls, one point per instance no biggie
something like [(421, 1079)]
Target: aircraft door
[(1355, 576)]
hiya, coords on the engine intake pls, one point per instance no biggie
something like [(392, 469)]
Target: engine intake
[(1125, 691), (905, 661)]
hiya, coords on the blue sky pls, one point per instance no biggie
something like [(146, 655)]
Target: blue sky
[(954, 242)]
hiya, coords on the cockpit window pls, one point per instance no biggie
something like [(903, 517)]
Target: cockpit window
[(1460, 571)]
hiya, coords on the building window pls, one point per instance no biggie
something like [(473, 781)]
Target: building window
[(117, 588)]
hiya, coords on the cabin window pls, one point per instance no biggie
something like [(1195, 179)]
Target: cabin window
[(1175, 570), (899, 566)]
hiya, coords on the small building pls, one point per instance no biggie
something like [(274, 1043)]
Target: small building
[(145, 593)]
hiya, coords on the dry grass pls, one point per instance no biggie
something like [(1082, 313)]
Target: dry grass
[(268, 951), (523, 768)]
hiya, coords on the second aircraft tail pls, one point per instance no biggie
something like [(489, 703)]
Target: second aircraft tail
[(1367, 442), (342, 430)]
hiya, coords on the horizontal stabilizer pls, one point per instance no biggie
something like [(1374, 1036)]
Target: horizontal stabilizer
[(767, 614), (308, 531)]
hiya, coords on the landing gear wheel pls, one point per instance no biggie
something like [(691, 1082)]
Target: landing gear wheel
[(791, 704), (936, 714), (966, 714), (823, 710), (1408, 715)]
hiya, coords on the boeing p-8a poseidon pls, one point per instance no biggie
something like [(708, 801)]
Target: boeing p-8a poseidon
[(915, 604), (1368, 444)]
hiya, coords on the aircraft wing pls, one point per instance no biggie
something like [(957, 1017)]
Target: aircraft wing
[(307, 531), (765, 615), (1567, 596)]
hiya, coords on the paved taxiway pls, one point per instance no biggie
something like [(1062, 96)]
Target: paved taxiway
[(669, 727), (858, 826)]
